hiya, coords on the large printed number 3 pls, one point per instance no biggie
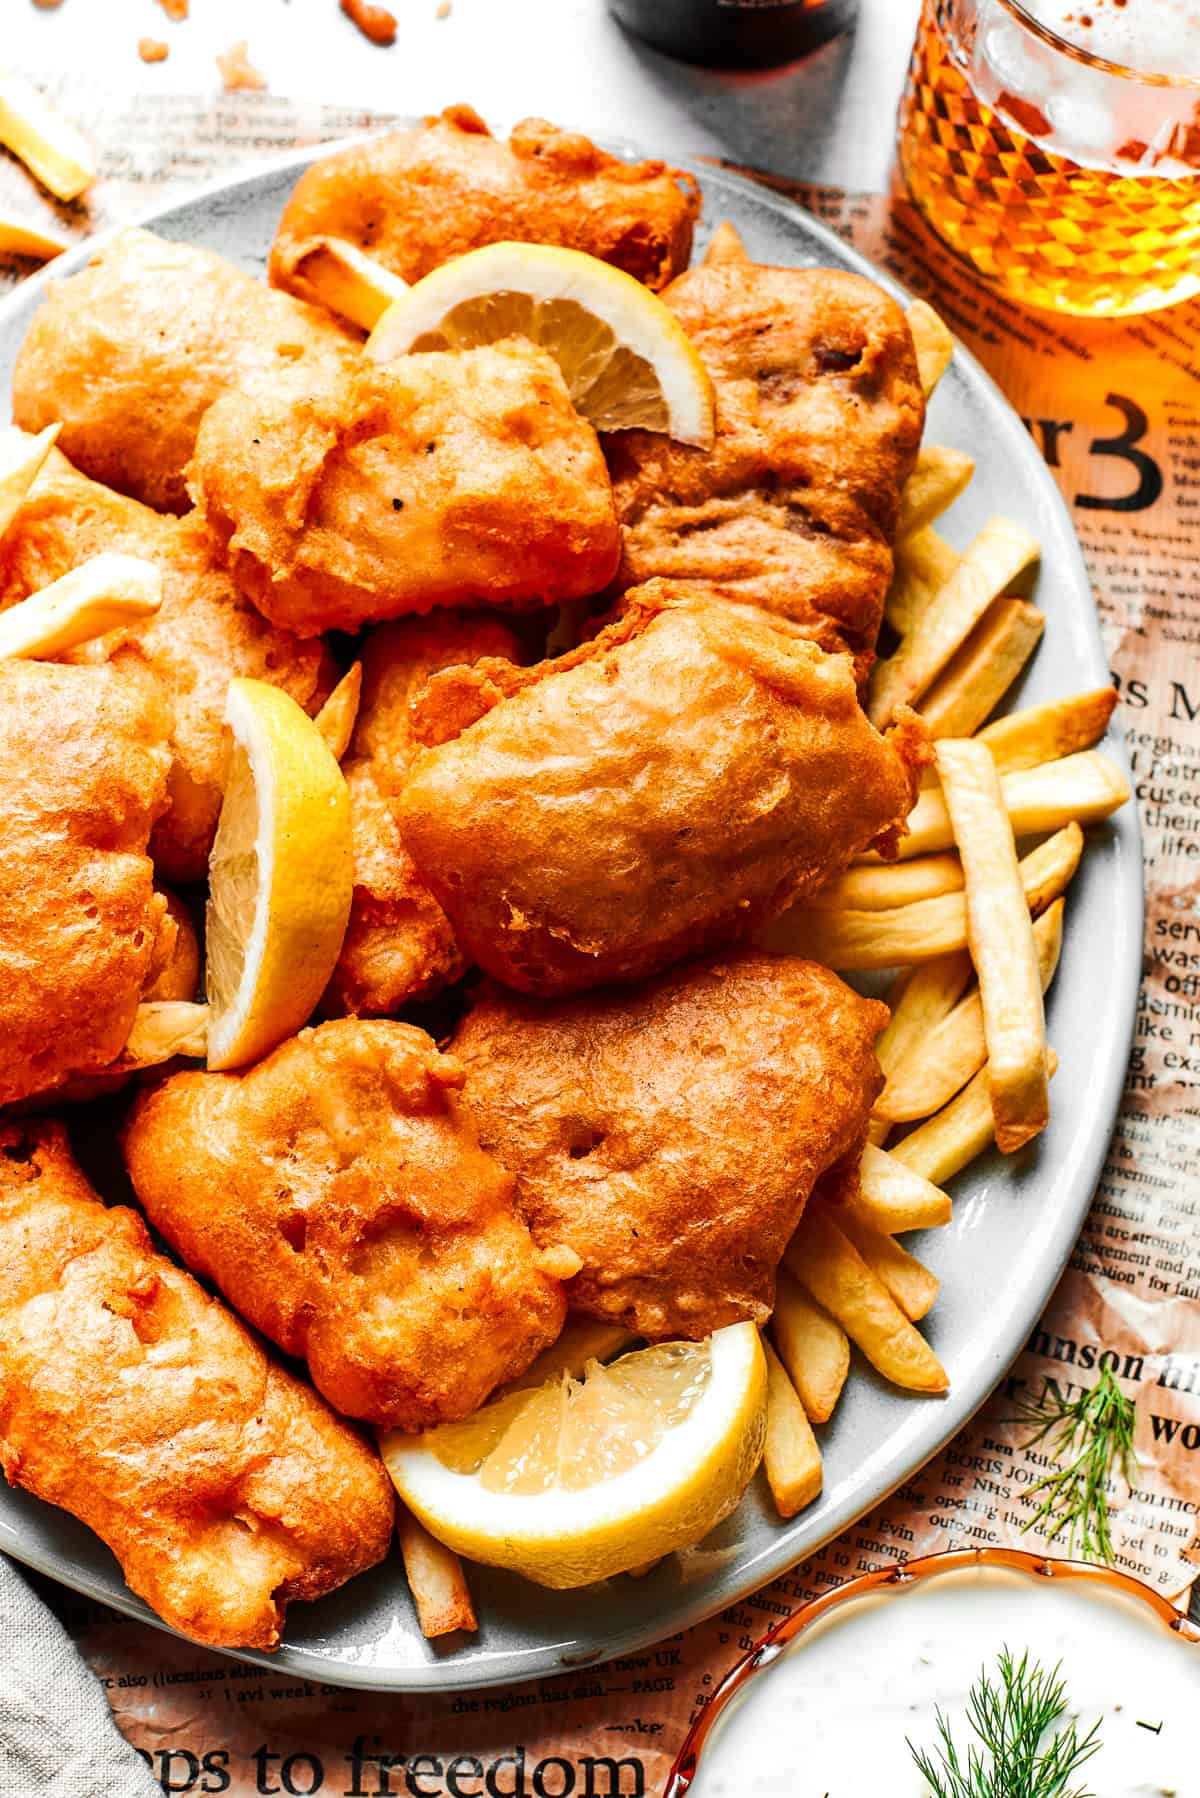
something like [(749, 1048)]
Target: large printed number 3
[(1124, 444)]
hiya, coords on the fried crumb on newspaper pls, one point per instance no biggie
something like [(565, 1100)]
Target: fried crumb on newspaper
[(237, 71)]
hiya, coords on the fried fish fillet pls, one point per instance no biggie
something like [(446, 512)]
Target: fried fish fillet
[(819, 419), (439, 480), (83, 776), (338, 1196), (658, 792), (398, 944), (131, 352), (414, 199), (671, 1134), (222, 1484), (203, 634)]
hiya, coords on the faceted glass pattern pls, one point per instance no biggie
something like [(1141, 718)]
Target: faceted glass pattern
[(1053, 233)]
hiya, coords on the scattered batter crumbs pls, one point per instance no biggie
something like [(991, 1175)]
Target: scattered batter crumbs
[(175, 9), (237, 71), (152, 49), (375, 22)]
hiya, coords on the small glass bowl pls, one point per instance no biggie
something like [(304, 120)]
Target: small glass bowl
[(900, 1576)]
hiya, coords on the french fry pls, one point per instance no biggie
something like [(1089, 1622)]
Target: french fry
[(21, 460), (100, 594), (919, 999), (812, 1346), (1000, 936), (954, 1051), (935, 483), (1001, 553), (981, 671), (859, 940), (946, 1143), (20, 239), (881, 886), (725, 245), (1052, 732), (791, 1458), (924, 563), (47, 143), (342, 278), (895, 1198), (832, 1271), (1085, 788), (932, 342), (910, 1283), (435, 1579), (338, 716), (163, 1028)]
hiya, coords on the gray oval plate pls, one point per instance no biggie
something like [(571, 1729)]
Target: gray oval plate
[(1014, 1222)]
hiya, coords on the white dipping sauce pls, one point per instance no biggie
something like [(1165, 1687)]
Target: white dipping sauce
[(830, 1716)]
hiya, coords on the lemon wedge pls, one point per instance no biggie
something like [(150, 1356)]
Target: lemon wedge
[(280, 876), (577, 1480), (626, 359)]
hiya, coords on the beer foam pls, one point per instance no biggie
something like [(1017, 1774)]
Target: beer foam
[(1160, 37)]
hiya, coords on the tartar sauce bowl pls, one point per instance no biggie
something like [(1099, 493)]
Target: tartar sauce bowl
[(823, 1705)]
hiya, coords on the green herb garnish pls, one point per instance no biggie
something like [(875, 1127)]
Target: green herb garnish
[(1091, 1436), (1010, 1718)]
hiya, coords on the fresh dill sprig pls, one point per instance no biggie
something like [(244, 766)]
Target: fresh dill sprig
[(1010, 1717), (1091, 1437)]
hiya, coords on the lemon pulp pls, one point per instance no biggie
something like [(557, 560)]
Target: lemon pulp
[(608, 382), (573, 1434)]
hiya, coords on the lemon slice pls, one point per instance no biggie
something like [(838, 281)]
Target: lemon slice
[(577, 1480), (627, 361), (280, 876)]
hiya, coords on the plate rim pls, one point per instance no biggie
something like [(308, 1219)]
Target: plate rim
[(464, 1672)]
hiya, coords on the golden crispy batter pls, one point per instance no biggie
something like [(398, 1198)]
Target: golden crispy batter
[(338, 1196), (83, 774), (671, 1135), (662, 790), (398, 944), (438, 480), (204, 633), (819, 418), (414, 199), (131, 352), (223, 1485)]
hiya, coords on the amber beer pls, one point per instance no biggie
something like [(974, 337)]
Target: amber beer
[(1056, 145)]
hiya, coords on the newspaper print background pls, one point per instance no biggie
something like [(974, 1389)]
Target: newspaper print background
[(1115, 410)]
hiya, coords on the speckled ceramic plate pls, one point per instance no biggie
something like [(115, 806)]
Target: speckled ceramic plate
[(1014, 1224)]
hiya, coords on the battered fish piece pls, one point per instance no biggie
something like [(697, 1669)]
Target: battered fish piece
[(819, 419), (460, 478), (664, 789), (204, 633), (83, 776), (338, 1196), (131, 352), (671, 1135), (223, 1485), (399, 945), (415, 199)]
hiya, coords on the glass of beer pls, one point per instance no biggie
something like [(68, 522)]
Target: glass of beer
[(1055, 144)]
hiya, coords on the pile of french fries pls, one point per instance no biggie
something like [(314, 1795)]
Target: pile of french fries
[(975, 930)]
